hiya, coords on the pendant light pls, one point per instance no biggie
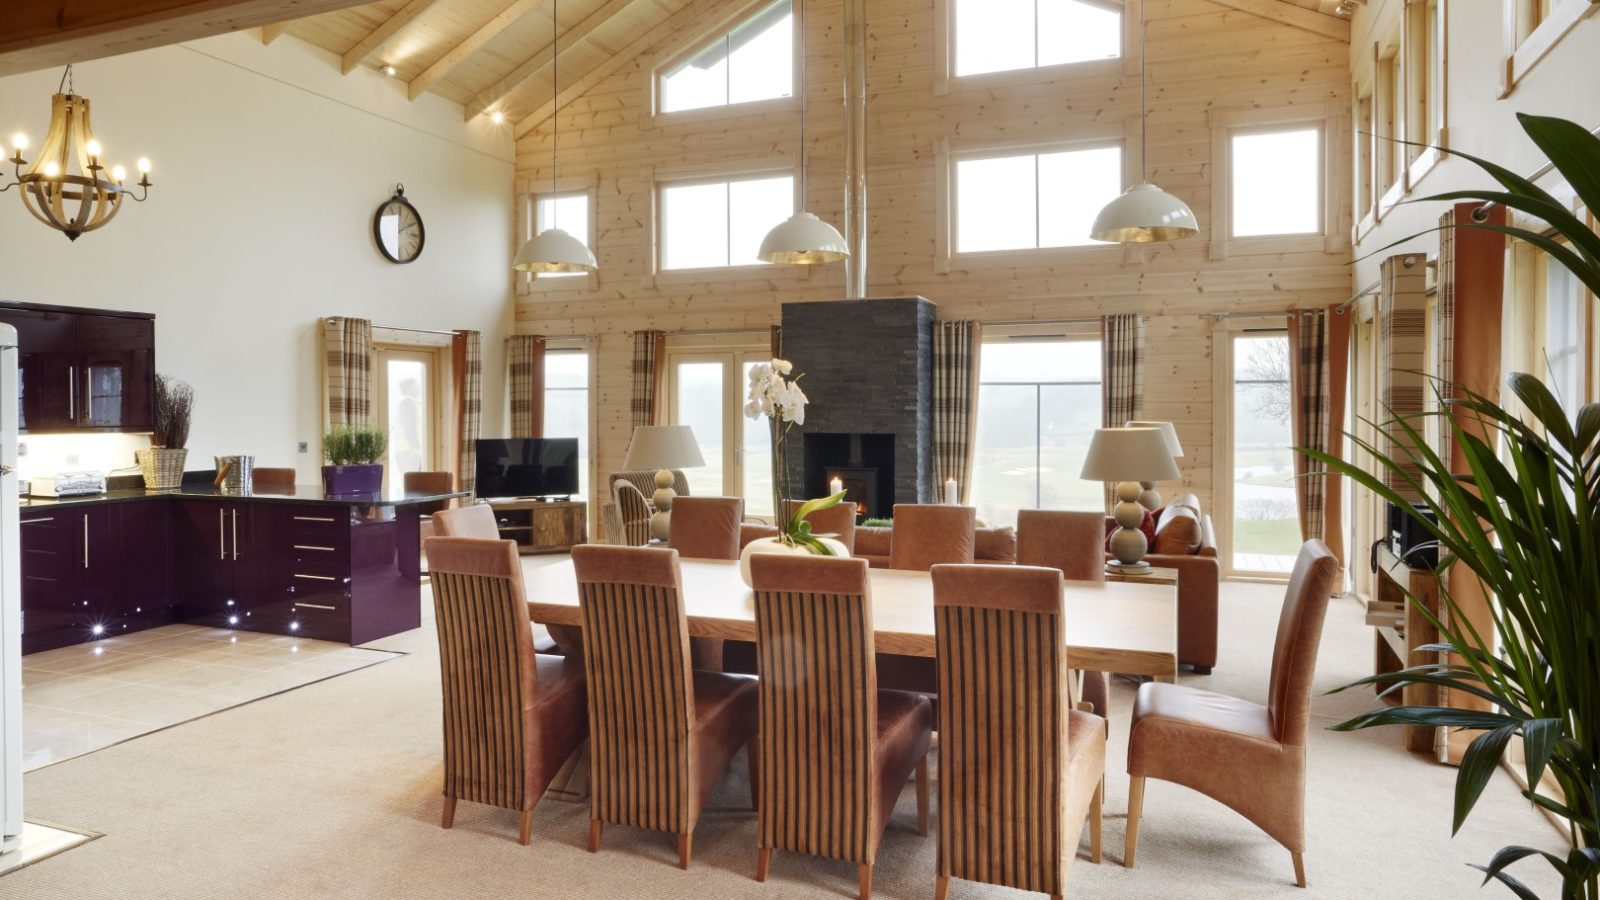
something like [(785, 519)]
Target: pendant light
[(554, 250), (1144, 213), (802, 239)]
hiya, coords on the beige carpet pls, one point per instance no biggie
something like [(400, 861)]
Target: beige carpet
[(332, 791)]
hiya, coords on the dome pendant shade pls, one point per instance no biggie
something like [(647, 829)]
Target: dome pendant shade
[(1145, 214), (803, 239), (553, 250)]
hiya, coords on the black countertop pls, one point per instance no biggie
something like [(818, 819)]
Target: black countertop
[(304, 493)]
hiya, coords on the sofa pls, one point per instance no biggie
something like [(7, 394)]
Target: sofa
[(989, 545), (1186, 541)]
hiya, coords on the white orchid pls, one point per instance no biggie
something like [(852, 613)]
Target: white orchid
[(774, 396), (782, 366)]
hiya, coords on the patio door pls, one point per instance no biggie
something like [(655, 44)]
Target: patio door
[(408, 403), (707, 390)]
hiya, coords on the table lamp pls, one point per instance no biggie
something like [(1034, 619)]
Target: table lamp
[(1128, 456), (1150, 498), (663, 448)]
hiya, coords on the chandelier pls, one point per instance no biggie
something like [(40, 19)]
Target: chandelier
[(68, 186)]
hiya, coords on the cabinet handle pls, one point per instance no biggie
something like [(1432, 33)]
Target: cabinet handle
[(310, 547), (314, 519), (86, 540), (317, 577), (222, 534), (315, 606), (88, 392), (72, 392), (236, 534), (36, 521)]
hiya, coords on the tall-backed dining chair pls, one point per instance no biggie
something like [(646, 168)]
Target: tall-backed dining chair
[(477, 521), (660, 735), (928, 534), (272, 481), (706, 527), (835, 752), (1249, 757), (838, 520), (1014, 757), (511, 717), (633, 512), (429, 483), (1073, 542)]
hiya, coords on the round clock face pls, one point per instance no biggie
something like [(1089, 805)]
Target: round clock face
[(397, 227)]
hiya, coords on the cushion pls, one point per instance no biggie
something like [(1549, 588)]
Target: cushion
[(995, 544), (1178, 532)]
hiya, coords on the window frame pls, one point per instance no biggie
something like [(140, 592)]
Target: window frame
[(1426, 68), (1225, 123), (948, 154), (1420, 72), (659, 179), (529, 192), (715, 29), (1224, 335), (591, 346), (1529, 38), (946, 81), (731, 350)]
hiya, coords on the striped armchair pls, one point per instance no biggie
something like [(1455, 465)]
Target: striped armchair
[(633, 515)]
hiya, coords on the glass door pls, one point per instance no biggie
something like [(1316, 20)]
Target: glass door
[(407, 405), (708, 392)]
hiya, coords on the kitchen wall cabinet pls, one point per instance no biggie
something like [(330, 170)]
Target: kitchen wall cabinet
[(82, 369)]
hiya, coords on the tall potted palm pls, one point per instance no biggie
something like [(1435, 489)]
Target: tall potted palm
[(1525, 520)]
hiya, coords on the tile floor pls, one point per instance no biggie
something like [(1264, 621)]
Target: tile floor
[(81, 698)]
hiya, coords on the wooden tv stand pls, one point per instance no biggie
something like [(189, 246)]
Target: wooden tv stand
[(542, 526)]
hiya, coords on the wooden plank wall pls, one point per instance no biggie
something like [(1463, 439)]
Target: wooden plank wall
[(1204, 56)]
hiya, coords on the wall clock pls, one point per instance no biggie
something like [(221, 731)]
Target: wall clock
[(397, 228)]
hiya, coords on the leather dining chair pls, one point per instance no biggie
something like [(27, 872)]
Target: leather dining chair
[(660, 734), (1073, 542), (511, 717), (429, 483), (838, 520), (1019, 769), (272, 481), (1250, 757), (924, 535), (706, 527), (477, 521), (820, 703)]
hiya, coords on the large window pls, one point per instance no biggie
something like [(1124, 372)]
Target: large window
[(1276, 178), (1004, 35), (1038, 406), (1265, 525), (1033, 200), (708, 385), (754, 61), (566, 403), (568, 212), (711, 224)]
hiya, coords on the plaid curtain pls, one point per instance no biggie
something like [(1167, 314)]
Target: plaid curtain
[(1339, 325), (525, 384), (1403, 311), (466, 358), (347, 367), (1121, 374), (955, 402), (649, 369), (1309, 414)]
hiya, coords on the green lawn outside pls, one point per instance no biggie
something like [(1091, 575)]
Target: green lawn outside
[(1272, 537)]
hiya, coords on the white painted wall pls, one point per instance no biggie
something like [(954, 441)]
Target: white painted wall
[(1480, 123), (268, 166)]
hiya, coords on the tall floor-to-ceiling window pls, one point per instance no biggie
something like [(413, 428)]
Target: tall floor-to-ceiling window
[(1260, 527), (566, 403), (707, 381)]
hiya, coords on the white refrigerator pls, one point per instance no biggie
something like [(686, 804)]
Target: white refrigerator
[(10, 603)]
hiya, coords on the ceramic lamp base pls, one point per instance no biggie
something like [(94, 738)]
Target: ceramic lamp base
[(661, 520), (1128, 543), (1139, 568), (1149, 497)]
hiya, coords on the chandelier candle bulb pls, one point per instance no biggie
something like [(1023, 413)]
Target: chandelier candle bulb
[(92, 148), (144, 166), (119, 174), (19, 142)]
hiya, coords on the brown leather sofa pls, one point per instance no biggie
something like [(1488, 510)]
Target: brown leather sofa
[(1186, 541), (990, 545)]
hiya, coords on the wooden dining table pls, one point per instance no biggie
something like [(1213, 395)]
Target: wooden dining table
[(1128, 627)]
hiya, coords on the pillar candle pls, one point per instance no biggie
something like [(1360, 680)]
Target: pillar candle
[(951, 496), (835, 485)]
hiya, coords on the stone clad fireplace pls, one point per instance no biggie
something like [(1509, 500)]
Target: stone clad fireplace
[(868, 368)]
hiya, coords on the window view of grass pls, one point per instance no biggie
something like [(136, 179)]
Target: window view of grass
[(1266, 530)]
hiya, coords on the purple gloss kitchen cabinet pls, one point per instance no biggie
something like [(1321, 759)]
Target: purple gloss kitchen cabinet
[(47, 375), (117, 357), (224, 561), (83, 369), (49, 607)]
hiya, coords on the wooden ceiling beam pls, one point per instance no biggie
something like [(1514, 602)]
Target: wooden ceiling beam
[(473, 43), (539, 63), (270, 33), (379, 36), (42, 34), (1285, 13)]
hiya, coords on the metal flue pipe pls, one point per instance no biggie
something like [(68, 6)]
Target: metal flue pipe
[(855, 143)]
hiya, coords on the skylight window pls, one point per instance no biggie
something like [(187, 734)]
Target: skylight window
[(754, 61), (1006, 35)]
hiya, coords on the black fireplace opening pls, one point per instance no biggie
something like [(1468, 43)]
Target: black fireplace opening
[(863, 465)]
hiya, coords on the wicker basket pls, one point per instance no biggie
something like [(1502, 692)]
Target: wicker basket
[(162, 467)]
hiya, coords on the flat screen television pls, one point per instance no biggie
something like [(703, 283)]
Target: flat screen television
[(528, 467)]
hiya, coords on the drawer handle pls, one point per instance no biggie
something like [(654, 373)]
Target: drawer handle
[(316, 606), (315, 519), (36, 521), (311, 547), (317, 577)]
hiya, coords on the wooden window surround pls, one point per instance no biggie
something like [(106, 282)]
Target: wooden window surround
[(655, 178), (1426, 69), (1532, 29), (529, 192), (591, 346), (945, 79), (718, 27), (1225, 123)]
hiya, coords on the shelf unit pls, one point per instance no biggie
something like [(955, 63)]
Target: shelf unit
[(1399, 628), (542, 526)]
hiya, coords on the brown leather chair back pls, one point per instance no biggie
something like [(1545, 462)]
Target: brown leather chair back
[(1003, 704), (1294, 653), (488, 670), (634, 509), (838, 520), (819, 702), (429, 483), (926, 535), (272, 481), (475, 521), (1074, 542), (641, 705), (706, 527)]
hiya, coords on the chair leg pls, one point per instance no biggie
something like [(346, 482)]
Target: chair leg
[(1135, 809), (866, 881), (525, 827), (1096, 823), (922, 797), (685, 847), (1299, 868), (448, 819), (595, 827), (763, 863), (941, 887), (752, 754)]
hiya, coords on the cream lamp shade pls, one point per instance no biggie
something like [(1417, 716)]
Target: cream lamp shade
[(803, 239), (1167, 431), (1145, 214), (553, 250), (1128, 454), (663, 447)]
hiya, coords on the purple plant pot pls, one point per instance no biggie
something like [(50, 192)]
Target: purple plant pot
[(363, 479)]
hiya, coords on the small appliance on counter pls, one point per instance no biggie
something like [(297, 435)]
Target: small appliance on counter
[(67, 484)]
